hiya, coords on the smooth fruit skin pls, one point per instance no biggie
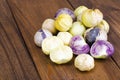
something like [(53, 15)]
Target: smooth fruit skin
[(77, 28), (91, 34), (78, 45), (51, 43), (84, 62), (63, 22), (65, 11), (79, 10), (65, 37), (61, 55), (48, 24), (103, 25), (101, 49), (92, 18), (40, 35)]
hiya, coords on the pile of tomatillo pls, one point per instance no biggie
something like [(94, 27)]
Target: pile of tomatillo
[(82, 32)]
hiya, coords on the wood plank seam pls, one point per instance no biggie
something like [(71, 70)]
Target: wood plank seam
[(115, 62), (19, 14), (114, 9), (7, 53), (71, 4), (22, 39)]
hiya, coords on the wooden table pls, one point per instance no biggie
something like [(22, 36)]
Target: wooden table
[(21, 59)]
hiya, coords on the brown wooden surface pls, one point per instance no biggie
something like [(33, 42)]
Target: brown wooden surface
[(20, 59)]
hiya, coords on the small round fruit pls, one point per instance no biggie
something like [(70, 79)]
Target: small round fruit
[(65, 37), (65, 11), (40, 35), (102, 35), (104, 26), (61, 55), (78, 45), (93, 34), (51, 43), (49, 25), (77, 29), (79, 10), (84, 62), (101, 49), (63, 22), (91, 18)]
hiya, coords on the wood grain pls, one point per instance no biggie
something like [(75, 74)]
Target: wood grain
[(15, 61), (29, 16), (29, 24), (111, 12)]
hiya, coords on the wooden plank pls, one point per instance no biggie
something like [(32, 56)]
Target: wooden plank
[(15, 61), (29, 16), (111, 12), (29, 25)]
